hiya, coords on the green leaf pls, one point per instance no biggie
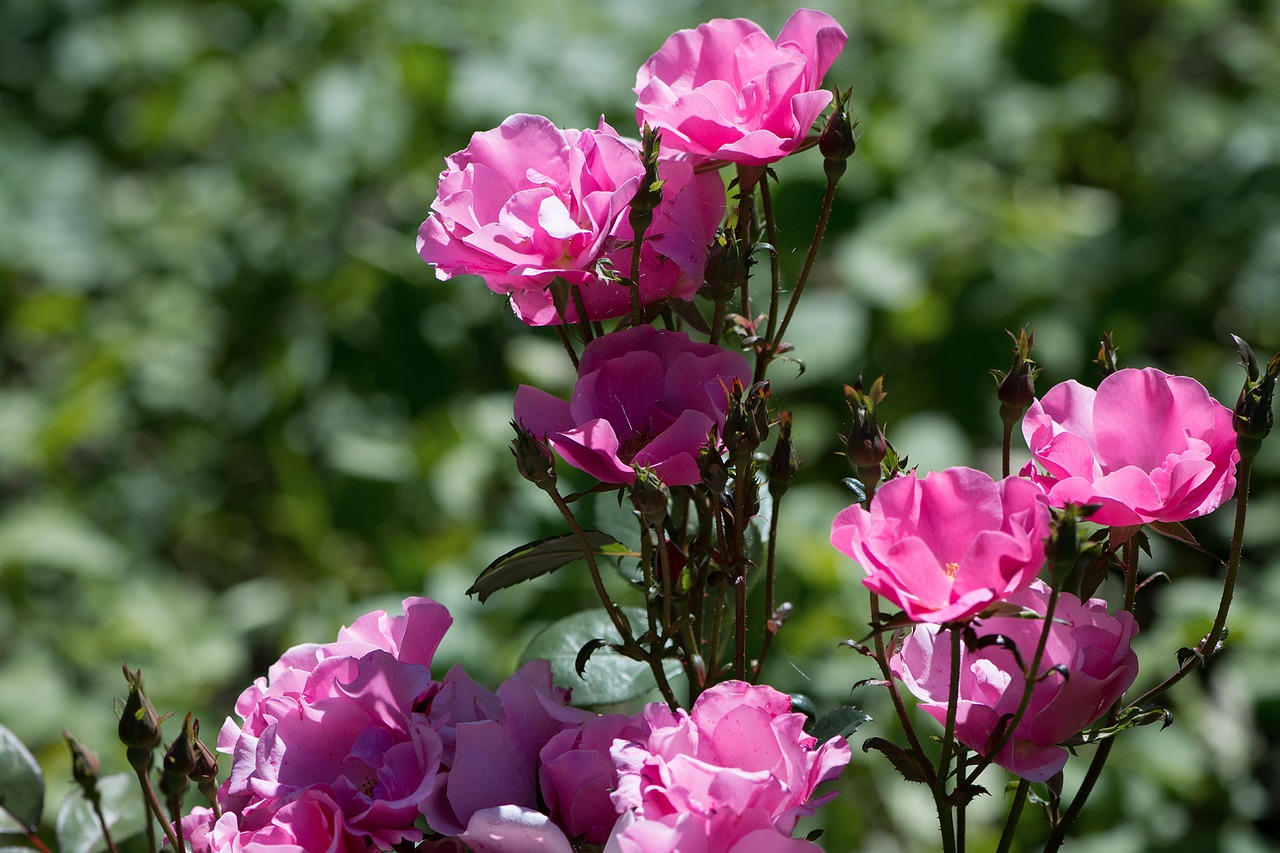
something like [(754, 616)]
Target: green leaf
[(21, 782), (839, 722), (78, 827), (903, 761), (608, 678), (536, 559)]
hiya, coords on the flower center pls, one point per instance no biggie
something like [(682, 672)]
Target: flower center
[(951, 569), (633, 445)]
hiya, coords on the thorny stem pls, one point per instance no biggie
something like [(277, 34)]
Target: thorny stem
[(883, 660), (153, 804), (615, 615), (764, 355), (962, 756), (1032, 676), (771, 554), (828, 200), (744, 479), (1060, 827), (1006, 449), (568, 346), (948, 740), (1209, 645), (1015, 814), (1130, 574)]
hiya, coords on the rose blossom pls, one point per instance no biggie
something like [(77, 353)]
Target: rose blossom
[(734, 773), (308, 823), (1093, 647), (527, 203), (727, 91), (945, 546), (1146, 446), (644, 397), (339, 718)]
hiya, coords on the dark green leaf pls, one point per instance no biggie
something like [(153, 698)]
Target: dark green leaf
[(536, 559), (78, 827), (608, 678), (839, 722), (903, 761), (21, 782), (1177, 532)]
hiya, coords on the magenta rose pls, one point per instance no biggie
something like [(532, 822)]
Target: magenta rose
[(1093, 646), (726, 91), (945, 546), (644, 397), (1146, 446), (527, 203), (739, 763)]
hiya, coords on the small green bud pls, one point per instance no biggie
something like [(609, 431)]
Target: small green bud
[(1017, 388), (85, 769), (534, 459), (837, 142), (1254, 413), (865, 445), (727, 267), (715, 474), (139, 727), (180, 759), (784, 463), (1106, 359), (649, 496)]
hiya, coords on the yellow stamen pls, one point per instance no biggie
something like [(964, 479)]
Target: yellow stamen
[(951, 569)]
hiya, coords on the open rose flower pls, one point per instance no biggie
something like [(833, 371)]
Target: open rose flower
[(945, 546), (1146, 446), (726, 91), (733, 774), (1093, 647), (644, 397), (527, 203), (307, 823)]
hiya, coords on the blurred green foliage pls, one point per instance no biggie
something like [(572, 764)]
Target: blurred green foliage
[(236, 410)]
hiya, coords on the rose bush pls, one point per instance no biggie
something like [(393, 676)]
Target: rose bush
[(1146, 446), (527, 203), (1092, 646), (945, 546), (727, 91), (644, 397)]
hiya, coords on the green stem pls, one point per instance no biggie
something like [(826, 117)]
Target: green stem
[(899, 707), (1209, 645), (764, 354), (828, 200), (1031, 677), (153, 804), (770, 571), (1015, 814), (948, 741), (1060, 827)]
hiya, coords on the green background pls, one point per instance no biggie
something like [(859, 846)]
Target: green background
[(236, 410)]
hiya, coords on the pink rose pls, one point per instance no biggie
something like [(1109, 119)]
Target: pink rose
[(1147, 446), (945, 546), (512, 829), (308, 823), (727, 91), (340, 718), (738, 763), (644, 397), (526, 203), (1092, 645)]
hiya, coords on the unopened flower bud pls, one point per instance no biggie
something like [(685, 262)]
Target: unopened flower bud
[(85, 768), (649, 496), (837, 142), (533, 456), (715, 474), (180, 759), (727, 267), (1106, 359), (139, 727), (865, 446), (1254, 414), (784, 463), (1017, 388)]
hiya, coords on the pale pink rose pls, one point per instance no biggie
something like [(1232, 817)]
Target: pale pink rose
[(511, 829), (726, 91), (526, 203), (1093, 646), (307, 823), (1146, 446), (945, 546), (693, 833), (739, 762), (644, 397)]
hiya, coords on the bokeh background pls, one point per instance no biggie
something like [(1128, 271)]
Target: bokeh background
[(236, 410)]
